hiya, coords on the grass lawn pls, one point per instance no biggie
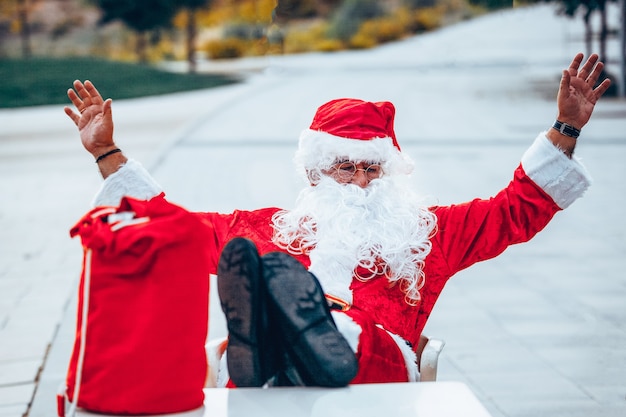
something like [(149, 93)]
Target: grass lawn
[(44, 81)]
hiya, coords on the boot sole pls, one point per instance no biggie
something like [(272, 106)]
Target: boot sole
[(321, 354), (239, 289)]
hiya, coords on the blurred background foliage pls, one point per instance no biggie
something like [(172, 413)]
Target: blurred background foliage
[(155, 30), (149, 32)]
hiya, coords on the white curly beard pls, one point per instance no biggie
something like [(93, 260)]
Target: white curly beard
[(383, 228)]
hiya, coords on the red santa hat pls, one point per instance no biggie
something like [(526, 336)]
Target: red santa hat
[(355, 130)]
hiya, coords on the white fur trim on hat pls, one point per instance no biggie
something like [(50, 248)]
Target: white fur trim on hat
[(320, 150)]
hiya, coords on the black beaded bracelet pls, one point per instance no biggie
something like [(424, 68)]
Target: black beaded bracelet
[(567, 130), (111, 152)]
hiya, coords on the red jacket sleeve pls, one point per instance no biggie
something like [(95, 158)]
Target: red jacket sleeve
[(483, 228)]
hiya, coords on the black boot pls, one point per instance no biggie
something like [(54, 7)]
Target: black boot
[(251, 357), (320, 355)]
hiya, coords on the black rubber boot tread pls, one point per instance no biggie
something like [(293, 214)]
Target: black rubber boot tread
[(241, 298), (321, 354)]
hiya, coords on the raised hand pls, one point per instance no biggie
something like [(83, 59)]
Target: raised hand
[(94, 119), (95, 126), (577, 96)]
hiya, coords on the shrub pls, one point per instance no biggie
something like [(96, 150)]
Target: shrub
[(229, 48), (427, 19), (328, 45), (165, 48), (254, 10), (244, 31), (295, 9), (350, 15), (377, 31), (362, 40), (226, 48), (403, 18), (275, 40), (304, 40)]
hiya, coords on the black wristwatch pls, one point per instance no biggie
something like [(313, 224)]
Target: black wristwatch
[(567, 130)]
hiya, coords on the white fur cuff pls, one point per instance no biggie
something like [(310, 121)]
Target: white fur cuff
[(130, 180), (348, 328), (562, 178)]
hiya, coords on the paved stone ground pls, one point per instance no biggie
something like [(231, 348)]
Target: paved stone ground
[(538, 331)]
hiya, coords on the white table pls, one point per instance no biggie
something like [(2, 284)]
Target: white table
[(426, 399)]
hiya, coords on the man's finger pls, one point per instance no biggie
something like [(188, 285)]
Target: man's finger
[(76, 101), (564, 85), (93, 92), (588, 67), (81, 90), (576, 62), (601, 89), (595, 74), (75, 117), (106, 107)]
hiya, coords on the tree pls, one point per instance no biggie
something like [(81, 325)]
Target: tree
[(22, 13), (622, 49), (142, 16), (492, 4), (17, 13), (571, 7), (303, 9), (5, 22), (192, 7)]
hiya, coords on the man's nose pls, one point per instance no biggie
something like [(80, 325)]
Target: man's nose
[(360, 179)]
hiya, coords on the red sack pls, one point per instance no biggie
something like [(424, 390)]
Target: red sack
[(142, 310)]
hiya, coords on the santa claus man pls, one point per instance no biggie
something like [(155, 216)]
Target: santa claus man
[(338, 289)]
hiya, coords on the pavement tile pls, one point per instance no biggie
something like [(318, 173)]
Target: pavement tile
[(538, 385), (608, 394), (24, 343), (19, 372), (598, 365), (12, 410), (17, 395), (558, 408)]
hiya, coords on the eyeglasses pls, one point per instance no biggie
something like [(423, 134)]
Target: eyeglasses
[(344, 171)]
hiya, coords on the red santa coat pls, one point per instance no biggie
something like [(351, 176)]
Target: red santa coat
[(466, 234), (545, 182)]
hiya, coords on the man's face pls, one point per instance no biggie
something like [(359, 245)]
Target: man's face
[(357, 173)]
